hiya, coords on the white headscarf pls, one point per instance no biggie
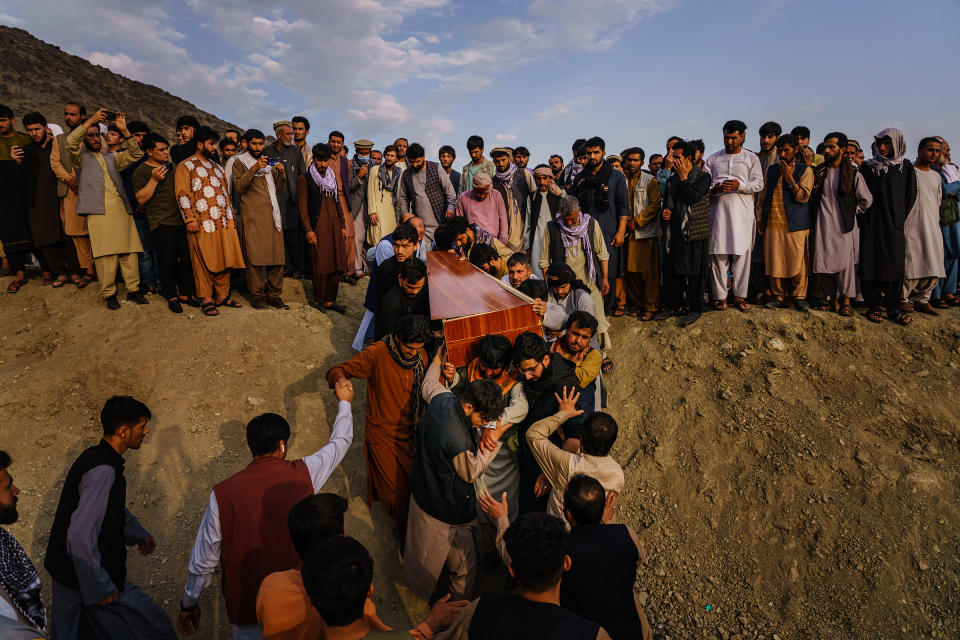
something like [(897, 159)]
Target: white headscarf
[(267, 172), (879, 163)]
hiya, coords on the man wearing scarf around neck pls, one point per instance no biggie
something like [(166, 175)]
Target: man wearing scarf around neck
[(21, 608), (603, 194), (576, 239), (514, 186), (260, 190), (892, 182), (323, 220), (395, 369)]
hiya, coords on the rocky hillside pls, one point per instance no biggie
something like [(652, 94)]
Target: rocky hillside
[(29, 85)]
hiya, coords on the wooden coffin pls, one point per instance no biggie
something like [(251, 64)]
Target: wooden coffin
[(472, 304)]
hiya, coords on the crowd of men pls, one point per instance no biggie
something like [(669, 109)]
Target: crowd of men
[(507, 459)]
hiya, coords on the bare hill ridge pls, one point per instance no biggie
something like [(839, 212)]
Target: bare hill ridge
[(38, 76)]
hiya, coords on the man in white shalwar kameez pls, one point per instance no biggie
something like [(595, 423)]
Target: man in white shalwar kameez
[(924, 264), (735, 176)]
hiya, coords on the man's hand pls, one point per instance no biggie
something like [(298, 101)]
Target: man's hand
[(374, 219), (449, 213), (362, 172), (539, 307), (491, 507), (344, 232), (147, 546), (489, 439), (193, 226), (343, 389), (609, 507), (16, 152), (311, 238), (605, 288), (731, 185), (261, 162), (110, 600), (158, 173), (571, 445), (448, 371), (98, 117), (280, 167), (444, 612), (669, 161), (683, 167), (617, 239), (121, 122), (72, 184), (567, 402), (189, 621), (666, 214), (541, 487)]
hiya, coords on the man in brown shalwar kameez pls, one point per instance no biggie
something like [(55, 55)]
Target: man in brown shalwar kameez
[(259, 188), (323, 219), (342, 169), (395, 368)]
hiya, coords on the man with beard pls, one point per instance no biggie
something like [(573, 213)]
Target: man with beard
[(340, 165), (461, 237), (545, 378), (289, 155), (228, 149), (102, 198), (945, 293), (519, 270), (425, 192), (484, 207), (401, 144), (641, 281), (486, 258), (201, 188), (514, 185), (686, 234), (769, 134), (839, 194), (602, 193), (555, 162), (924, 243), (260, 188), (892, 182), (521, 158), (446, 156), (22, 615), (409, 296), (43, 206), (86, 553), (655, 163), (360, 167), (382, 198), (186, 127), (14, 222), (578, 159), (579, 332), (542, 208), (735, 177), (477, 164), (73, 225)]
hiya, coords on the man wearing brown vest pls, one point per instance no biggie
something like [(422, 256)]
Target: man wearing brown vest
[(244, 527)]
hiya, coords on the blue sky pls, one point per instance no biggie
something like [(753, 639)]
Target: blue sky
[(533, 72)]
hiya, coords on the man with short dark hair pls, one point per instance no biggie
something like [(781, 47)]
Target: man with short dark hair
[(578, 153), (244, 525), (769, 134), (641, 279), (602, 193), (186, 126), (446, 156), (261, 186), (945, 293), (155, 191), (574, 344), (655, 163), (735, 177), (924, 265), (394, 368), (301, 129), (443, 523), (343, 171), (604, 560), (555, 162), (803, 140), (290, 156), (535, 550), (477, 164), (22, 615), (86, 552), (515, 187), (521, 158), (382, 187), (519, 270), (463, 238), (425, 192), (486, 258), (376, 157), (338, 578), (409, 296), (103, 200), (228, 149), (892, 181), (401, 144)]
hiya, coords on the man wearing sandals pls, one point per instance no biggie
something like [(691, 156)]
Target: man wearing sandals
[(839, 194), (893, 183), (201, 187), (924, 262), (735, 175)]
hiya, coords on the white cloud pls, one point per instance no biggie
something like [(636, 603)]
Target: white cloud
[(506, 137), (569, 108)]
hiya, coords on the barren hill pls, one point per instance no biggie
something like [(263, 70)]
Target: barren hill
[(38, 76)]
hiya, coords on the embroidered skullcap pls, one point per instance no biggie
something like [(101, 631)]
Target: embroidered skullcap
[(482, 181)]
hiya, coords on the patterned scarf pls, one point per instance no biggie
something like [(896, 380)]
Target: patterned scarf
[(505, 380), (419, 372), (507, 181), (579, 235), (878, 163), (20, 580), (327, 182), (481, 235), (390, 186)]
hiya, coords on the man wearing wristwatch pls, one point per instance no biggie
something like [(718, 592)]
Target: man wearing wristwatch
[(102, 199)]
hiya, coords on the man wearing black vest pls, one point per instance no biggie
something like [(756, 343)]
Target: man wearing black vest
[(425, 192), (543, 208), (536, 550), (603, 563), (86, 554)]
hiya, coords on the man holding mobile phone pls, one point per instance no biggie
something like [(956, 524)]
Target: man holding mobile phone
[(14, 225)]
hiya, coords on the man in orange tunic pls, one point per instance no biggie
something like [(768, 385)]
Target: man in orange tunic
[(395, 368)]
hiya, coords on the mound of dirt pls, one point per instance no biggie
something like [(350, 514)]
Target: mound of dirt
[(790, 475)]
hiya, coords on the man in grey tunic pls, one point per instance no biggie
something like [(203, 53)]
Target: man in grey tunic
[(86, 554), (425, 192), (924, 264)]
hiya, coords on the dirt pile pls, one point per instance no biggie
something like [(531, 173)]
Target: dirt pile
[(789, 474)]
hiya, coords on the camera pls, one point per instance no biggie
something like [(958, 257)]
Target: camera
[(272, 161), (110, 115)]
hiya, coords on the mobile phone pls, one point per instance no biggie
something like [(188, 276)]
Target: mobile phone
[(272, 161), (110, 115)]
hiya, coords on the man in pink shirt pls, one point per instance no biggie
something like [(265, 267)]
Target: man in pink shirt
[(484, 207)]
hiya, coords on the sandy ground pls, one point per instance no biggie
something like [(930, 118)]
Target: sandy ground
[(791, 475)]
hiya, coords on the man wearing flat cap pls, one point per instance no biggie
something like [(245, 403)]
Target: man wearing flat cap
[(360, 173), (293, 238)]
